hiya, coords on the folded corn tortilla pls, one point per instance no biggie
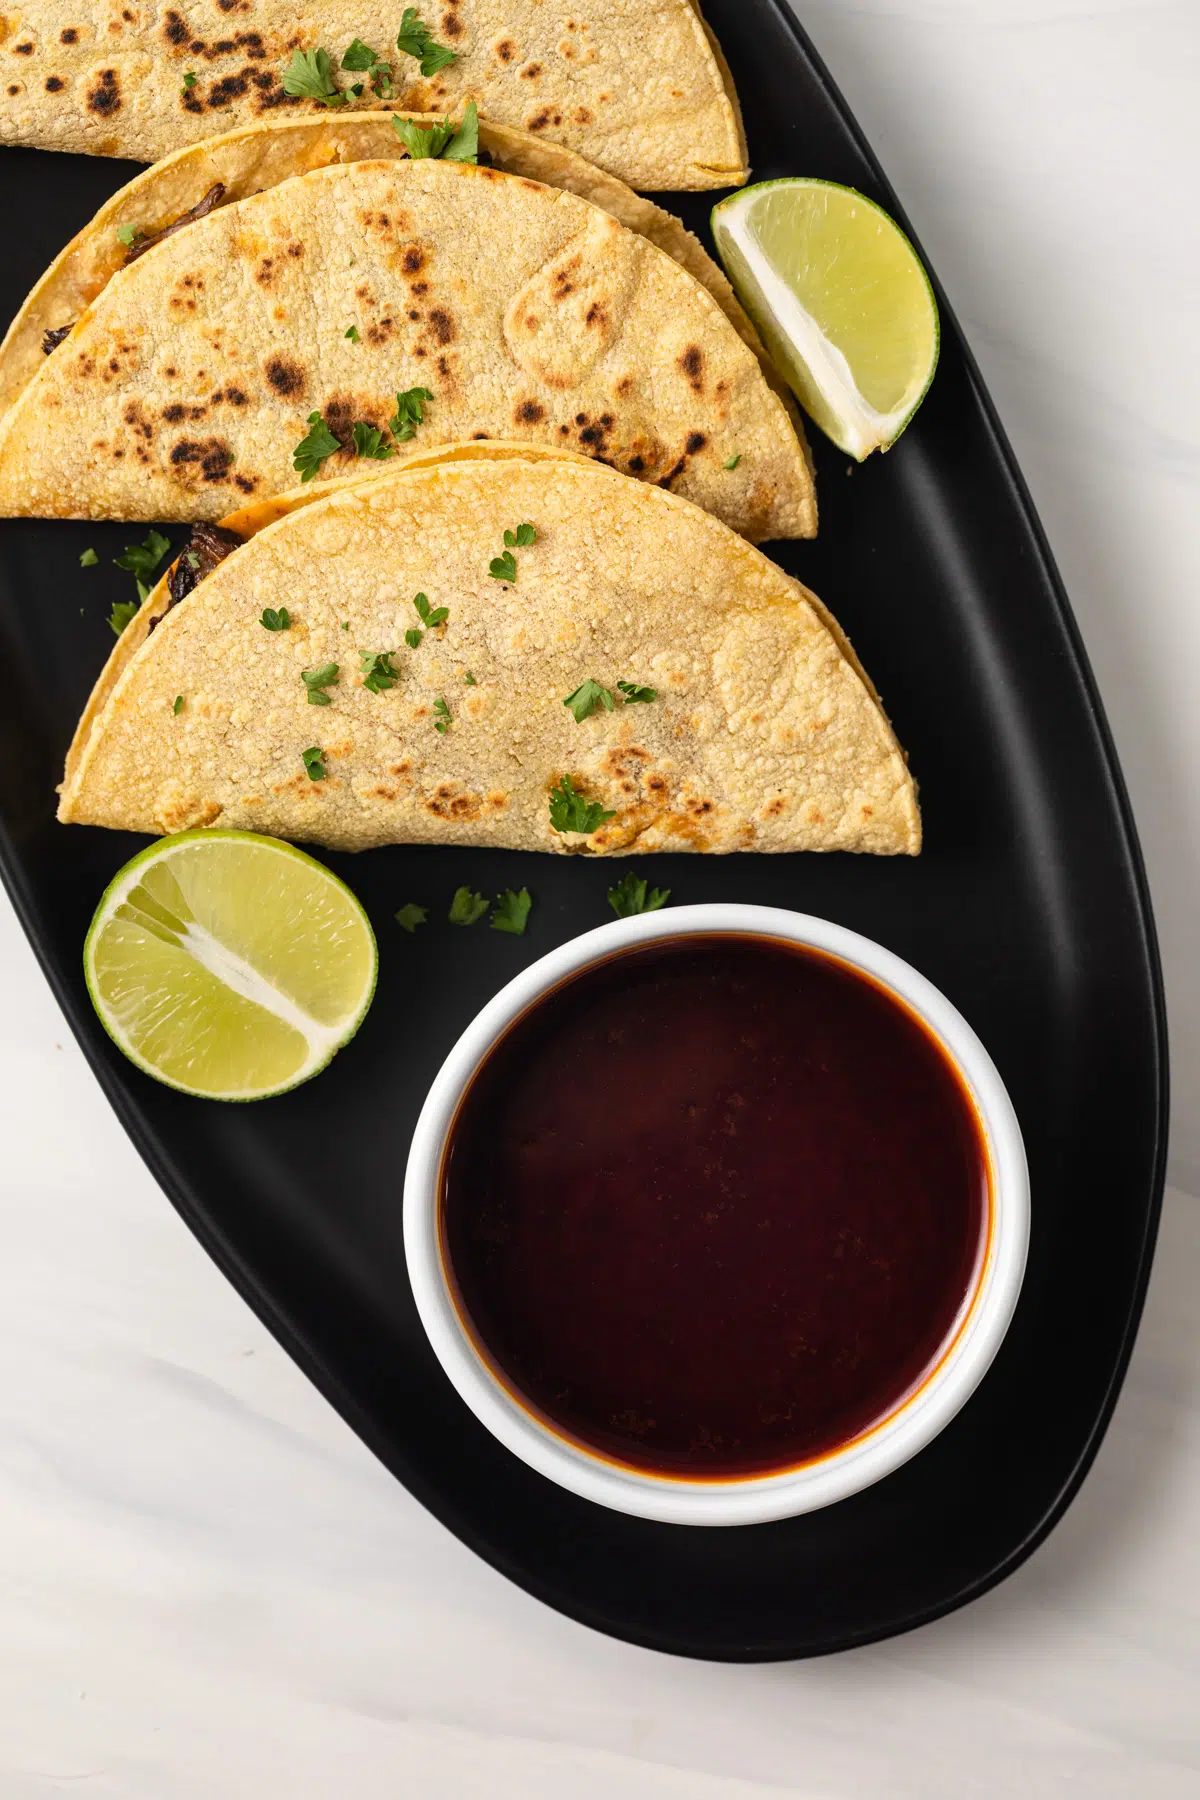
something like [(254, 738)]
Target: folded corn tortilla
[(637, 86), (764, 734), (523, 310), (223, 170)]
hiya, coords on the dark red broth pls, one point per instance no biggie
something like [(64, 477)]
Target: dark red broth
[(713, 1206)]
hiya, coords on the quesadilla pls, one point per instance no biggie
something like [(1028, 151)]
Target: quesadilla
[(196, 180), (640, 89), (530, 653), (364, 309)]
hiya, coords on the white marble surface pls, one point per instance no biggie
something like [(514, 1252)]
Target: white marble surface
[(209, 1591)]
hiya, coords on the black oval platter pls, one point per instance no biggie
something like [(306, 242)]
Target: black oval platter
[(1028, 907)]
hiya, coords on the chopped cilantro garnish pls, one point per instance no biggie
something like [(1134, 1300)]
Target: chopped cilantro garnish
[(409, 413), (142, 559), (521, 538), (637, 696), (368, 441), (732, 463), (449, 142), (353, 335), (359, 56), (430, 616), (313, 763), (121, 614), (470, 679), (378, 673), (317, 680), (467, 907), (308, 77), (127, 234), (442, 722), (569, 811), (275, 621), (313, 448), (189, 82), (503, 568), (88, 560), (178, 706), (412, 637), (415, 39), (410, 916), (511, 912), (584, 701), (630, 897)]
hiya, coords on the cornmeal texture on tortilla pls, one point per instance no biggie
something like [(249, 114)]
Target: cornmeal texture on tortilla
[(639, 87), (764, 734), (524, 311), (260, 156)]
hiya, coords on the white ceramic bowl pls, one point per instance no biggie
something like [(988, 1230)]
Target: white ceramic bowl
[(968, 1349)]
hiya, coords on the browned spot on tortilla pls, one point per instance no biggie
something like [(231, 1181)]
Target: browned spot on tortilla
[(174, 29), (15, 87), (452, 25), (529, 412), (105, 97), (295, 249), (531, 71), (26, 50), (539, 120), (696, 441), (206, 459), (596, 315), (54, 84), (442, 324), (266, 273), (413, 258), (505, 50), (230, 396), (692, 364), (582, 116), (186, 813), (381, 330), (246, 483), (230, 88), (69, 36), (135, 417), (450, 801), (285, 376), (420, 289)]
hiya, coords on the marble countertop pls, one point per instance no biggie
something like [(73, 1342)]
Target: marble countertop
[(210, 1589)]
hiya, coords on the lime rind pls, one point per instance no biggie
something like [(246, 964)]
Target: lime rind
[(201, 965), (816, 368)]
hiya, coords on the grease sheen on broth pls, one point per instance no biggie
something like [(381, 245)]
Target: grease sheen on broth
[(713, 1206)]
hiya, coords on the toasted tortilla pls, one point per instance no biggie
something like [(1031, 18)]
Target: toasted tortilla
[(636, 86), (524, 310), (765, 733), (256, 157)]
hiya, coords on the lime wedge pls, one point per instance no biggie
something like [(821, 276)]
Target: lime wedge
[(841, 301), (229, 965)]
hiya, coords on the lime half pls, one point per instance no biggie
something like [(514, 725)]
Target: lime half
[(229, 965), (841, 300)]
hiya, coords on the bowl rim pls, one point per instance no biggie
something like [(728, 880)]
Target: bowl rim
[(914, 1421)]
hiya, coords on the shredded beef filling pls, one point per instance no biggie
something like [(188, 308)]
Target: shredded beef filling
[(201, 210), (207, 546), (52, 339)]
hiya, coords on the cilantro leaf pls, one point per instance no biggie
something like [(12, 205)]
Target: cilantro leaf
[(189, 82), (467, 908), (353, 335), (442, 722), (629, 897), (359, 56), (127, 234), (409, 413), (178, 706), (142, 559), (569, 811), (470, 679), (313, 448), (377, 670), (314, 766), (511, 912), (275, 621), (464, 145), (503, 568), (584, 701), (410, 916), (308, 77), (637, 696), (430, 616), (732, 463), (415, 39), (368, 441), (422, 140), (521, 538), (88, 560), (317, 680), (122, 612), (412, 637)]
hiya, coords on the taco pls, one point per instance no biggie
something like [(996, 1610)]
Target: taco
[(364, 309), (639, 88), (524, 652)]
